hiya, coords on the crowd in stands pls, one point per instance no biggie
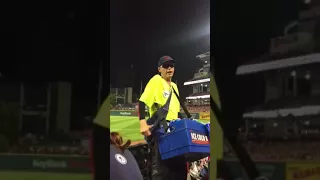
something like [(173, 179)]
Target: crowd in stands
[(259, 151), (60, 143), (199, 170), (284, 151), (194, 109), (125, 107), (279, 150)]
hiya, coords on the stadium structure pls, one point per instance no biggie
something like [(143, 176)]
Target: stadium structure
[(122, 95), (290, 71), (43, 107), (200, 83)]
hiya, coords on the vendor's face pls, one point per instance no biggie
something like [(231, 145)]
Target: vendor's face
[(166, 70)]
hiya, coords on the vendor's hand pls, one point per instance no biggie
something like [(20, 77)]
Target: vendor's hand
[(145, 128)]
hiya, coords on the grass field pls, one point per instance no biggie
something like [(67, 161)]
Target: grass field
[(42, 176), (128, 127)]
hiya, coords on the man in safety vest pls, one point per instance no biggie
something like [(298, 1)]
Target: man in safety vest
[(156, 94)]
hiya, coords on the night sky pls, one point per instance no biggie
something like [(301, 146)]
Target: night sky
[(240, 33), (143, 31), (56, 41), (66, 42)]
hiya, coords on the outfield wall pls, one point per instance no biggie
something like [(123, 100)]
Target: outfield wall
[(45, 163), (80, 164), (201, 115), (123, 113)]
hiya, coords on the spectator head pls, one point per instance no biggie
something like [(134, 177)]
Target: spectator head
[(116, 140)]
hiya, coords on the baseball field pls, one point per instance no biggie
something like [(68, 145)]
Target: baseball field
[(128, 127)]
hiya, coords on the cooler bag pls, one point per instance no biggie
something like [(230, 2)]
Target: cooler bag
[(185, 137)]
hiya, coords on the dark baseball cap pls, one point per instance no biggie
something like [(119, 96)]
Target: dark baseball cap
[(165, 59)]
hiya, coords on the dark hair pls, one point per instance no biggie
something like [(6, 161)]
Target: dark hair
[(116, 140)]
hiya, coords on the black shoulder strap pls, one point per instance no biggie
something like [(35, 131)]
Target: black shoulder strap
[(181, 104), (167, 104)]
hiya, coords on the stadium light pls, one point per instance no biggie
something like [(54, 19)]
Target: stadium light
[(199, 97), (307, 1), (197, 81)]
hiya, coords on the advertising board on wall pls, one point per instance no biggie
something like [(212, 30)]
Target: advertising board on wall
[(123, 113), (205, 116), (303, 171), (45, 163)]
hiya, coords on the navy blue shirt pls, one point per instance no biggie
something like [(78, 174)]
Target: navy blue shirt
[(123, 166)]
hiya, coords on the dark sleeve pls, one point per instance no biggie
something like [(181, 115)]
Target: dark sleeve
[(119, 171), (142, 110), (180, 116), (134, 166)]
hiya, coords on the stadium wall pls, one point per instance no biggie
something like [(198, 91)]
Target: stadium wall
[(123, 113), (80, 164), (134, 113), (45, 163)]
